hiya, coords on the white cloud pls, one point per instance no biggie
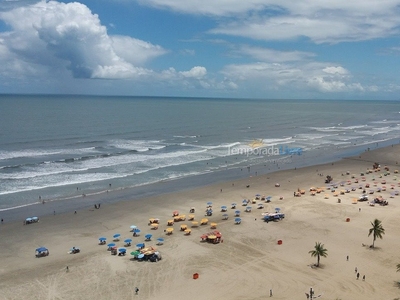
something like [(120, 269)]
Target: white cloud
[(272, 55), (321, 21), (67, 36), (195, 72), (301, 76)]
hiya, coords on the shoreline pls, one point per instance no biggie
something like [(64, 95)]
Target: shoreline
[(134, 193)]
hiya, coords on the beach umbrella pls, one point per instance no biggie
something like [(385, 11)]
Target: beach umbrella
[(238, 220), (135, 253), (133, 227), (209, 203), (41, 249), (122, 250), (148, 236), (102, 239), (28, 219), (223, 207), (116, 236), (233, 204), (140, 256), (111, 245), (35, 219), (128, 241), (225, 215), (258, 195), (244, 201), (237, 212), (140, 245), (136, 230), (277, 209)]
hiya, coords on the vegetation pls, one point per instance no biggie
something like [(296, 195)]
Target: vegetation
[(318, 251), (376, 230)]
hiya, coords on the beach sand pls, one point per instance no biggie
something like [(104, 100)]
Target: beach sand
[(246, 265)]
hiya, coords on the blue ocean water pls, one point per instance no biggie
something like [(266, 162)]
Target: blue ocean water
[(61, 147)]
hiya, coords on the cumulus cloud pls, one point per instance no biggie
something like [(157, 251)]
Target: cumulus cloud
[(69, 36), (195, 72), (265, 54), (300, 76)]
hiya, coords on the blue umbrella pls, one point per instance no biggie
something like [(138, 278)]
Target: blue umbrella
[(258, 195), (117, 235), (140, 256), (238, 220), (133, 227), (269, 198), (35, 218), (233, 204), (244, 201), (128, 241), (248, 207), (122, 250), (277, 209), (140, 245), (102, 239), (160, 239), (41, 249), (237, 212), (209, 203), (28, 219), (111, 245), (223, 207), (136, 230), (225, 215), (148, 236)]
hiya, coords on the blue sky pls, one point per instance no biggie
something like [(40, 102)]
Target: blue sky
[(342, 49)]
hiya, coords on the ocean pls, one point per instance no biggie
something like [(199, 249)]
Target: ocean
[(62, 147)]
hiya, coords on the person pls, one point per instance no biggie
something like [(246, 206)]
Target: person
[(75, 212), (2, 220), (54, 212), (364, 277), (67, 269), (358, 275), (136, 291), (347, 258), (355, 270), (270, 292)]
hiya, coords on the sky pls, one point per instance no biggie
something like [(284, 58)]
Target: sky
[(268, 49)]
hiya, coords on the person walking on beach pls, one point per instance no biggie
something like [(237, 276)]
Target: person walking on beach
[(136, 291), (358, 275), (355, 270), (270, 292), (363, 277), (2, 220)]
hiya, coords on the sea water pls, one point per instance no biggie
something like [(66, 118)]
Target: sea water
[(63, 147)]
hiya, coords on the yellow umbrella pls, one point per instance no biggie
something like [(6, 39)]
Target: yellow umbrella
[(195, 223), (213, 225), (151, 220), (203, 221), (212, 237), (154, 225), (188, 231), (191, 217), (183, 227), (169, 230), (170, 222)]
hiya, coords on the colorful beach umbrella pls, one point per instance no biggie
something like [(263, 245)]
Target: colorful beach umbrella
[(135, 253)]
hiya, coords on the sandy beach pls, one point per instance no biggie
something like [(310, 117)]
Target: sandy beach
[(248, 264)]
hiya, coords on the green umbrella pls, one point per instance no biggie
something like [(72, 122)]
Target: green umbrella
[(135, 253)]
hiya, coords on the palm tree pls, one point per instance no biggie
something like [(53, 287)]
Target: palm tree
[(377, 230), (318, 251)]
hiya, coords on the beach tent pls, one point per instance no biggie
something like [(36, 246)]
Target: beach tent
[(116, 236), (128, 242), (160, 241), (238, 220), (148, 237)]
